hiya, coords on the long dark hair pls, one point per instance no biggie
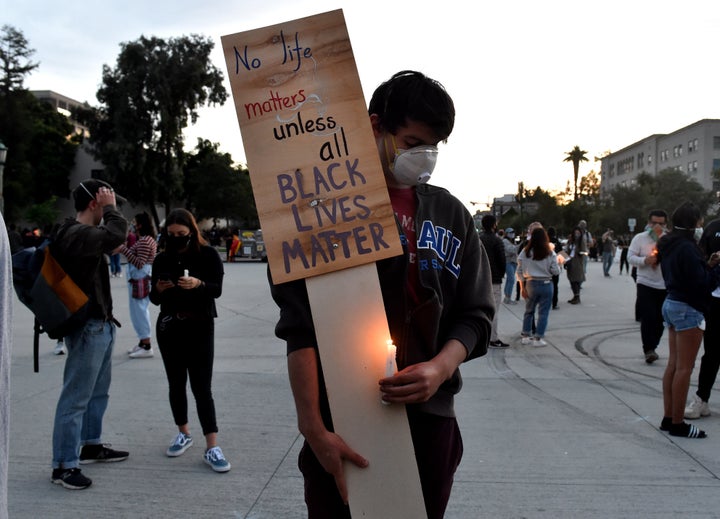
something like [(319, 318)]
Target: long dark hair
[(146, 226), (184, 217), (538, 244)]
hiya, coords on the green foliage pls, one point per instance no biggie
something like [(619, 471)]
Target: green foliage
[(15, 61), (44, 214), (147, 100), (216, 189)]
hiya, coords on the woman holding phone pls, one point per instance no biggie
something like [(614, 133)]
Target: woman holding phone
[(187, 278)]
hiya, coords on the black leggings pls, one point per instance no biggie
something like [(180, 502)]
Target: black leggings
[(710, 362), (187, 347)]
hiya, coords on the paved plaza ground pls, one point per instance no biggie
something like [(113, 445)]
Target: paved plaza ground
[(565, 431)]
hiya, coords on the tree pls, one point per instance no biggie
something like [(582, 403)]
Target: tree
[(217, 189), (147, 100), (40, 140), (576, 155), (14, 59)]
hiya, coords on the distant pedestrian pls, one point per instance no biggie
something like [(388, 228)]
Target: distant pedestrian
[(623, 246), (140, 256), (576, 249), (537, 264), (608, 251), (690, 279), (496, 255), (557, 247), (511, 253), (650, 285)]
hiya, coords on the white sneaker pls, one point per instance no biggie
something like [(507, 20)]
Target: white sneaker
[(135, 349), (697, 408), (59, 348), (538, 342), (525, 339), (142, 353)]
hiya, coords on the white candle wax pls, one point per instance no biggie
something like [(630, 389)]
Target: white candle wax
[(186, 273), (390, 364)]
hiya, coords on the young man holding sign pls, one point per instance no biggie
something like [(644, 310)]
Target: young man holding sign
[(438, 301)]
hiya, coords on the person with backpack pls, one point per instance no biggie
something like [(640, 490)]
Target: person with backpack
[(80, 247)]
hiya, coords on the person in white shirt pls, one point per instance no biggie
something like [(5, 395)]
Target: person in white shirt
[(651, 292)]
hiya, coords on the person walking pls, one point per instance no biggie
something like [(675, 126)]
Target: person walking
[(698, 406), (575, 265), (649, 285), (690, 279), (557, 247), (511, 253), (495, 251), (608, 251), (80, 247), (537, 264), (140, 256), (187, 278), (623, 244), (438, 317)]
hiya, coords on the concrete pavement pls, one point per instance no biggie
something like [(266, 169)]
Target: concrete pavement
[(564, 431)]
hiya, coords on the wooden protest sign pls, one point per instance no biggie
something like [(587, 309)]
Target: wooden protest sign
[(326, 217), (319, 190)]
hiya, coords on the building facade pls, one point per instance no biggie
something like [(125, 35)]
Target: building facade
[(693, 150)]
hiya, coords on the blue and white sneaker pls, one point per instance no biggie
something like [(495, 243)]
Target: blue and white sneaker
[(214, 457), (180, 444)]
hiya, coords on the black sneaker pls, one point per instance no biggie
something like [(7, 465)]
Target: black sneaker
[(70, 478), (499, 344), (101, 454)]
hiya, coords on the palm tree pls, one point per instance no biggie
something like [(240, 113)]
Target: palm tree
[(576, 155)]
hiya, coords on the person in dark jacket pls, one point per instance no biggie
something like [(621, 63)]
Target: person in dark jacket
[(439, 310), (186, 279), (690, 280), (80, 247), (495, 250)]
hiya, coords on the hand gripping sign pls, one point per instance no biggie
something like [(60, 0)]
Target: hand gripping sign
[(326, 218)]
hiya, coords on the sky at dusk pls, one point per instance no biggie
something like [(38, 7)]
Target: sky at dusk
[(530, 80)]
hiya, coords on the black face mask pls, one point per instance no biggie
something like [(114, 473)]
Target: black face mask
[(177, 243)]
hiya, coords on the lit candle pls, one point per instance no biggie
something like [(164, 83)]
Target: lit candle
[(390, 364), (186, 273)]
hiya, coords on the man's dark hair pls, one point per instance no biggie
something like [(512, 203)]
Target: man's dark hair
[(86, 191), (488, 222), (659, 213), (412, 96)]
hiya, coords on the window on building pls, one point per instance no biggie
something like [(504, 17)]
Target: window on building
[(716, 143), (640, 159), (649, 160)]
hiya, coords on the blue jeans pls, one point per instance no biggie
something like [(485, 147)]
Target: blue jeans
[(540, 294), (139, 308), (607, 259), (115, 268), (510, 280), (84, 396)]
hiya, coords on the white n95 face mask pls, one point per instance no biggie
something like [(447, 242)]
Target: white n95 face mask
[(415, 165)]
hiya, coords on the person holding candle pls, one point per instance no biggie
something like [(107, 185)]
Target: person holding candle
[(439, 309), (650, 285), (186, 279)]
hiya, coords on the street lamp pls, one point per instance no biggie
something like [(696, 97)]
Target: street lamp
[(3, 156)]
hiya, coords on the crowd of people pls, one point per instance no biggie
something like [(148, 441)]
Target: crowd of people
[(677, 277)]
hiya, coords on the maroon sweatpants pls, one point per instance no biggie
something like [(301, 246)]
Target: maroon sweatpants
[(438, 451)]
